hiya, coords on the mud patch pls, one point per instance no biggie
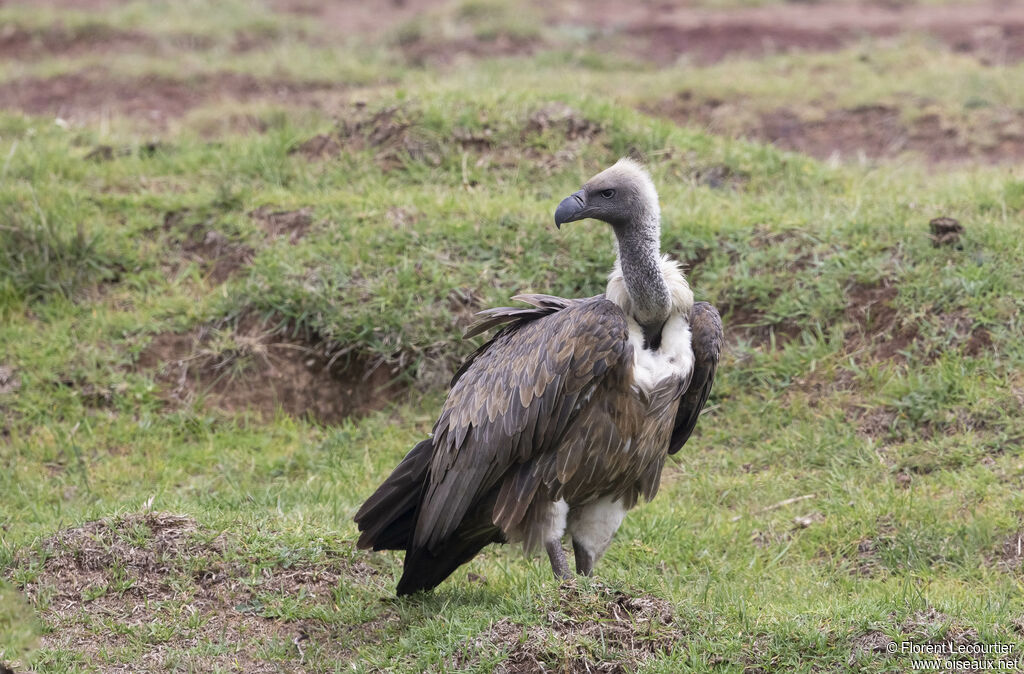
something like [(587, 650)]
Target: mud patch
[(602, 632), (864, 132), (94, 93), (140, 572), (257, 366)]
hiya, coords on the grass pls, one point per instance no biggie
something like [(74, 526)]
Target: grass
[(869, 372)]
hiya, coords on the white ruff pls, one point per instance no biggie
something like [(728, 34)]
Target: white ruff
[(674, 358)]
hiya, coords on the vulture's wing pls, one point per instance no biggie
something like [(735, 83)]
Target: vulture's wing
[(706, 337), (514, 398)]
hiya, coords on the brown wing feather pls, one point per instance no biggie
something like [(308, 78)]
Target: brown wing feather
[(706, 330), (513, 402)]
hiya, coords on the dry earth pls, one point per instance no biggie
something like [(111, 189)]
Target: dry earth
[(603, 633), (870, 131), (664, 32), (259, 367), (140, 571)]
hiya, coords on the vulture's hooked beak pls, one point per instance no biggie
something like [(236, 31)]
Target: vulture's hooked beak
[(572, 208)]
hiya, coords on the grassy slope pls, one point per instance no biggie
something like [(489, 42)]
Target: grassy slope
[(908, 517)]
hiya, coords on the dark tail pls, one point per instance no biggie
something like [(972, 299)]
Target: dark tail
[(425, 569), (387, 519)]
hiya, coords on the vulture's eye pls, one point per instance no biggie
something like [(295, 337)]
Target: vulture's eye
[(607, 194)]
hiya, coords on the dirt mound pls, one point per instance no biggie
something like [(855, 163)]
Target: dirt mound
[(93, 93), (870, 131), (96, 584), (396, 134), (583, 633), (393, 133), (254, 366)]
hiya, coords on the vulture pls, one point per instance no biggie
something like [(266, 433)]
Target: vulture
[(565, 418)]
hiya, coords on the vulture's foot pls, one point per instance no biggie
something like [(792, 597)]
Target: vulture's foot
[(584, 559), (559, 564)]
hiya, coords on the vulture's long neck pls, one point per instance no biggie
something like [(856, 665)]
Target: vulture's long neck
[(639, 244)]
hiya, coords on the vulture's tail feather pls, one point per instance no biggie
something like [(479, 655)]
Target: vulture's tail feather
[(426, 568), (387, 519)]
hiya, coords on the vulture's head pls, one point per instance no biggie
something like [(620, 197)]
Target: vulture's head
[(622, 195)]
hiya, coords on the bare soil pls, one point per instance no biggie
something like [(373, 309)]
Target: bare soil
[(879, 329), (424, 51), (255, 367), (355, 17), (217, 255), (664, 33), (292, 225), (9, 382), (19, 43), (395, 134), (83, 5), (870, 131), (156, 568), (1010, 556), (871, 644), (95, 93), (578, 628)]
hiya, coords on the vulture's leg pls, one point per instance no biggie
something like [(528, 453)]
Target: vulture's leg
[(584, 559), (559, 564), (592, 527), (552, 528)]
